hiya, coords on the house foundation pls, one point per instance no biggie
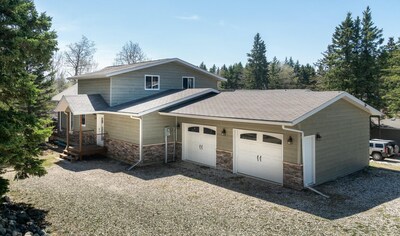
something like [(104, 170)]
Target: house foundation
[(293, 175), (224, 160), (121, 150)]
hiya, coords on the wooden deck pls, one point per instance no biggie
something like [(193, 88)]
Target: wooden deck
[(73, 153)]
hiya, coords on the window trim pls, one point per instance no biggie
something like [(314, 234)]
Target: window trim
[(159, 82), (189, 77), (84, 119)]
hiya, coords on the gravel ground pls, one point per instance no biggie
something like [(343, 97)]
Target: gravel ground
[(99, 197)]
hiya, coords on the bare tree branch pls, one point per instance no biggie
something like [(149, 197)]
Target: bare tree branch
[(79, 56), (129, 54)]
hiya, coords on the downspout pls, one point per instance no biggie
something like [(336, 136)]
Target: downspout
[(140, 141), (302, 156)]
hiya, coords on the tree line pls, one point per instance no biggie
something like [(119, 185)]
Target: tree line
[(356, 61)]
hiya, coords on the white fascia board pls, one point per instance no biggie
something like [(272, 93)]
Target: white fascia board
[(228, 119), (138, 68), (164, 62), (353, 100), (61, 105)]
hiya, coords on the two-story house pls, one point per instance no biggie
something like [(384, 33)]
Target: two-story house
[(161, 110)]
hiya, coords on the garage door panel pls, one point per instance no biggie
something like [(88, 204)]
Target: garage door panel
[(259, 154), (199, 144)]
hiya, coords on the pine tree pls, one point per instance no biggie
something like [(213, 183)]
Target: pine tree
[(213, 69), (257, 65), (203, 66), (370, 51), (274, 70), (352, 61), (391, 78), (234, 76), (25, 86)]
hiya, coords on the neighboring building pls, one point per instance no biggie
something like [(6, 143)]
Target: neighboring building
[(160, 110), (389, 129)]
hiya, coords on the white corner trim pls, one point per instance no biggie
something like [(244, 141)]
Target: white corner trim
[(111, 94)]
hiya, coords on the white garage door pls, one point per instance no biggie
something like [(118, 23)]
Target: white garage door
[(259, 154), (199, 144)]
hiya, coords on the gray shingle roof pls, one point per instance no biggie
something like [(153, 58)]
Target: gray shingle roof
[(283, 106), (116, 70), (159, 101), (73, 90), (86, 104), (82, 104)]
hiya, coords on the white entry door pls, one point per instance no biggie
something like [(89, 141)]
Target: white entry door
[(309, 160), (259, 154), (100, 129), (199, 144)]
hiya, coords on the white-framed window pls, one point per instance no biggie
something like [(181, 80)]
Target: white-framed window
[(83, 120), (187, 82), (152, 82)]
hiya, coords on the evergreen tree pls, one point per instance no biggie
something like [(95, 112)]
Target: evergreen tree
[(391, 78), (213, 69), (257, 65), (234, 76), (274, 70), (341, 57), (25, 86), (369, 69), (351, 62), (203, 66)]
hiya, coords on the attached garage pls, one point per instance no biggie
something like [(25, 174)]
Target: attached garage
[(258, 154), (295, 138), (199, 144)]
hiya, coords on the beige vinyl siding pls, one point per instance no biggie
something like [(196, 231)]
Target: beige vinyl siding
[(95, 86), (153, 128), (130, 86), (121, 128), (291, 153), (343, 148), (90, 123)]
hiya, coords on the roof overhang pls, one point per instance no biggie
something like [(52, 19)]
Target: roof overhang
[(265, 122), (343, 95), (127, 70)]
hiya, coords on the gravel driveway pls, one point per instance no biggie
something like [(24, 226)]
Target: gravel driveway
[(99, 197)]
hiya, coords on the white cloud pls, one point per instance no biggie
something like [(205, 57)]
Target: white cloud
[(191, 17)]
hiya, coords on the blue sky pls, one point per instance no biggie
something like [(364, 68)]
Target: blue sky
[(216, 32)]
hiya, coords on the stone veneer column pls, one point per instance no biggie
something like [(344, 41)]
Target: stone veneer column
[(155, 153), (224, 160), (293, 175), (122, 151)]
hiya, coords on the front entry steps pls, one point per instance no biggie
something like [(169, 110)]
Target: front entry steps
[(68, 155), (73, 153)]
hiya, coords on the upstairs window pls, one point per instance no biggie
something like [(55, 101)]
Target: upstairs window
[(188, 82), (152, 82), (83, 120)]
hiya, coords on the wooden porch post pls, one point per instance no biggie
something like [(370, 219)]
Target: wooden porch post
[(66, 147), (80, 137)]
